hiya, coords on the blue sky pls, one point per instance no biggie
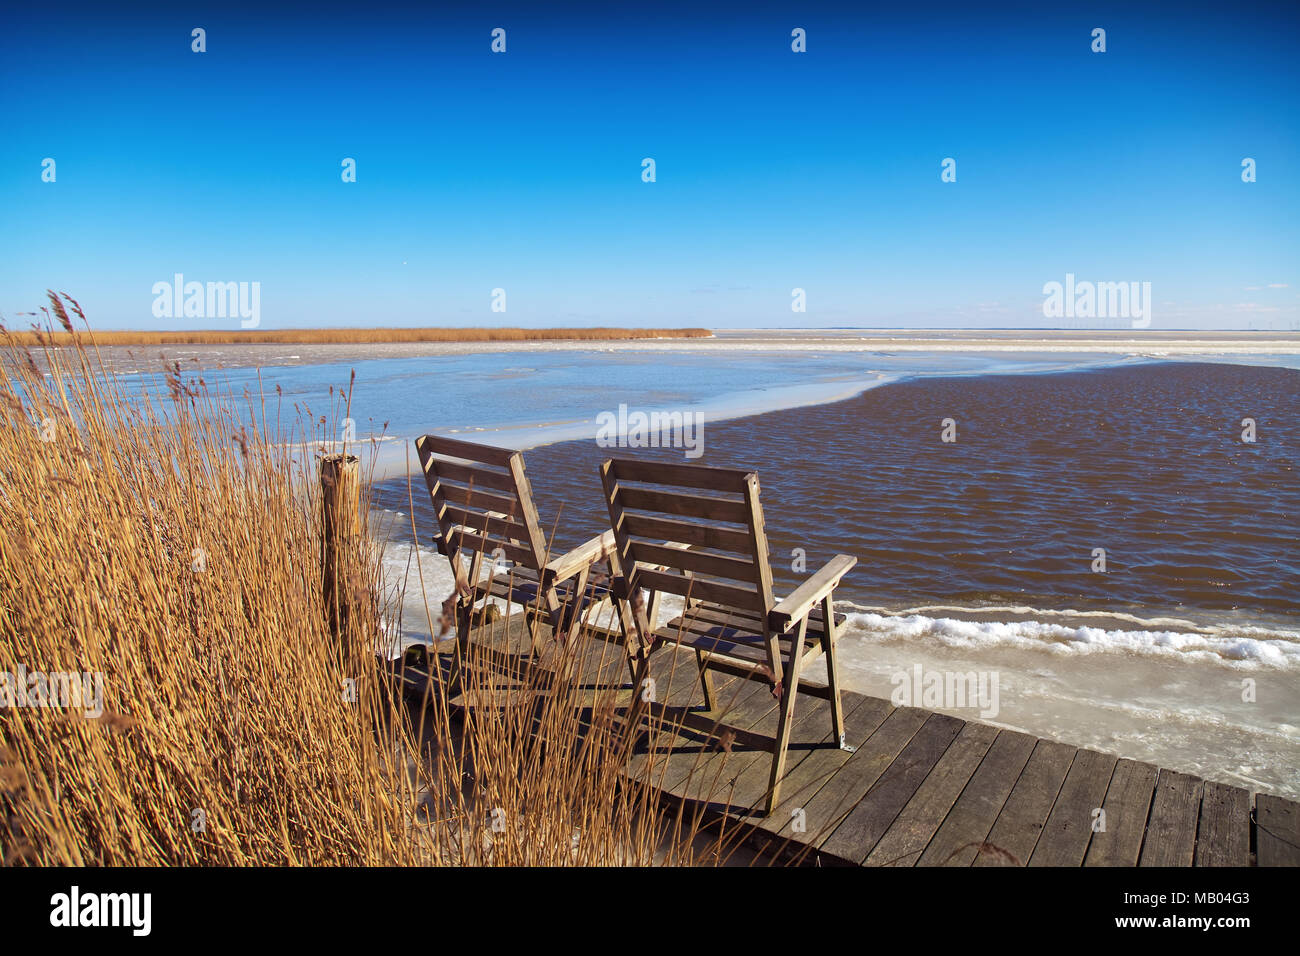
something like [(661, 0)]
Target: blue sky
[(775, 170)]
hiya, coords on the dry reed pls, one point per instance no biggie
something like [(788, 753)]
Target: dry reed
[(167, 543), (357, 336)]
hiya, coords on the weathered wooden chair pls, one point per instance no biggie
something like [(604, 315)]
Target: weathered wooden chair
[(711, 550), (484, 505)]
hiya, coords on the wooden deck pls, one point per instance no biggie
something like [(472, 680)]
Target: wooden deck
[(929, 789)]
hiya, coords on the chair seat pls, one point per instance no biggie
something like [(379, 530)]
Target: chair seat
[(730, 633)]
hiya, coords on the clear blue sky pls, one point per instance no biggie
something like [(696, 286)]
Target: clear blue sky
[(775, 170)]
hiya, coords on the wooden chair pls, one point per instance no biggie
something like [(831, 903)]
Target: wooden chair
[(484, 505), (711, 550)]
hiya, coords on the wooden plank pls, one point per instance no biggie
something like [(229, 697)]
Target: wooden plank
[(465, 450), (528, 508), (698, 589), (698, 630), (563, 567), (747, 774), (475, 543), (821, 585), (476, 498), (686, 532), (758, 544), (972, 817), (876, 812), (732, 634), (517, 586), (1223, 833), (676, 685), (741, 653), (752, 621), (837, 797), (742, 705), (908, 836), (1277, 831), (804, 781), (1127, 806), (686, 476), (1065, 836), (698, 561), (789, 822), (694, 764), (687, 506), (829, 645), (734, 626), (734, 662), (632, 615), (1171, 831), (1021, 821), (602, 662), (497, 525), (471, 476)]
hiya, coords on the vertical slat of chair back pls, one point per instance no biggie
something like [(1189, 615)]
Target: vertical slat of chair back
[(716, 511), (482, 500)]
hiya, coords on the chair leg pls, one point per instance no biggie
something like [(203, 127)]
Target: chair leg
[(640, 672), (456, 682), (576, 611), (627, 632), (638, 661), (830, 638), (786, 718), (533, 621), (706, 681)]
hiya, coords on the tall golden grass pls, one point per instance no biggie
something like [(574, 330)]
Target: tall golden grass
[(357, 336), (170, 542)]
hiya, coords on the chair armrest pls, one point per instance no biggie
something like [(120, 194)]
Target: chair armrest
[(801, 600), (584, 555)]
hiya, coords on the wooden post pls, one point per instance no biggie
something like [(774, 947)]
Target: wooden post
[(343, 583)]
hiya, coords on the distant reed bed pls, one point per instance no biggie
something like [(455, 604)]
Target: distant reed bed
[(357, 336), (174, 695)]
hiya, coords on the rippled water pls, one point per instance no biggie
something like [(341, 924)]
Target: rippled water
[(544, 392), (1146, 463)]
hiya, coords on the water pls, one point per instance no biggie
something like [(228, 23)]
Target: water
[(975, 555), (529, 395)]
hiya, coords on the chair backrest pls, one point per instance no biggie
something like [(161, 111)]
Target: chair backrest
[(718, 515), (483, 502)]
